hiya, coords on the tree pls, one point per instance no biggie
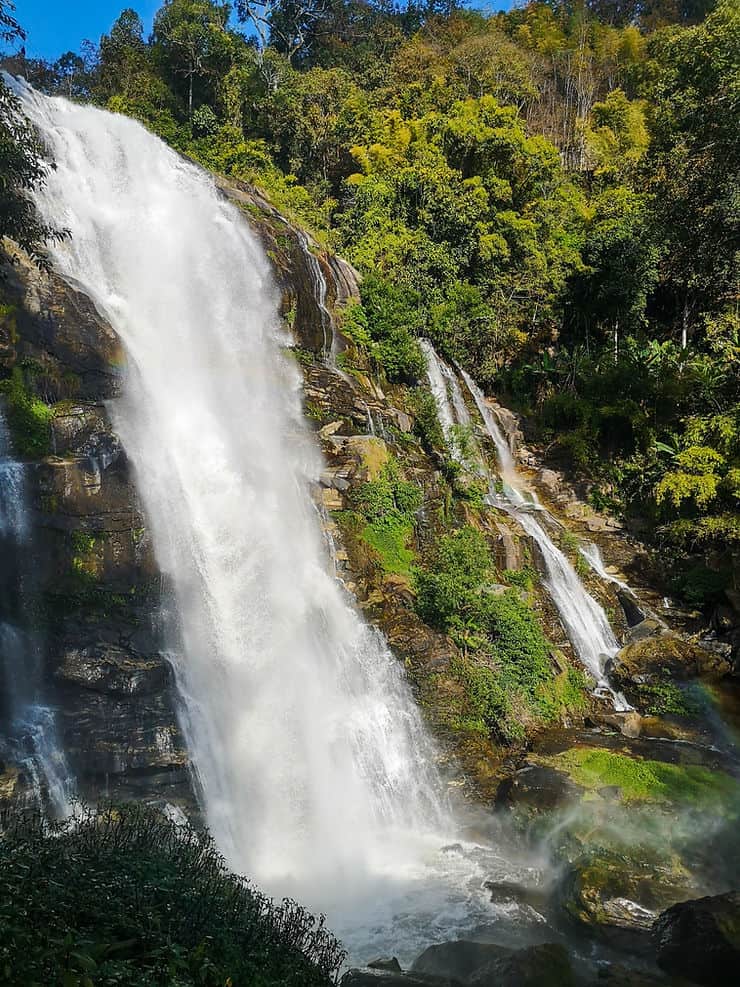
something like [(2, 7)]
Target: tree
[(193, 36), (22, 163), (286, 24)]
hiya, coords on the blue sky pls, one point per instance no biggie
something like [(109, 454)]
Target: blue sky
[(56, 26)]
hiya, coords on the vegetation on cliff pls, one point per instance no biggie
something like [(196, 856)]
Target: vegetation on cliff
[(546, 193), (505, 665), (127, 897)]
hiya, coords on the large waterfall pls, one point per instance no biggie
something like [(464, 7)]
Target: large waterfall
[(308, 747), (583, 618)]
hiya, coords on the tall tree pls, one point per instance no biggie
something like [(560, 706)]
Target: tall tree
[(22, 163), (194, 37)]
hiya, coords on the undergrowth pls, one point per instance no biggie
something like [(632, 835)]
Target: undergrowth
[(127, 897)]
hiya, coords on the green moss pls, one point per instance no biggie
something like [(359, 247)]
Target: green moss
[(647, 781), (28, 417), (86, 556)]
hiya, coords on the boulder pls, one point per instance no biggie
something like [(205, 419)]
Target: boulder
[(387, 978), (700, 939), (458, 960), (546, 965), (616, 899), (551, 481), (389, 963), (653, 659)]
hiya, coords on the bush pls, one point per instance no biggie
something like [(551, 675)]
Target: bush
[(28, 417), (505, 667), (393, 320), (126, 897), (449, 590), (388, 504)]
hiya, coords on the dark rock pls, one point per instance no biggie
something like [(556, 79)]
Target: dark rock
[(537, 788), (617, 975), (386, 978), (700, 939), (389, 963), (635, 614), (114, 670), (458, 960), (547, 965), (57, 326)]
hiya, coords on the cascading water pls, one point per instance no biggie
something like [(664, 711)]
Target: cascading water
[(29, 724), (583, 619), (592, 555), (314, 768), (318, 283)]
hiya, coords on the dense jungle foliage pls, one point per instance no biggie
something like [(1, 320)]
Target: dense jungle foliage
[(127, 897), (549, 194)]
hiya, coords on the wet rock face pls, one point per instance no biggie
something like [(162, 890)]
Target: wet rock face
[(700, 940), (78, 354), (651, 657), (114, 671), (95, 590)]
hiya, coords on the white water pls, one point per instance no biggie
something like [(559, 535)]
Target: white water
[(30, 725), (315, 771), (582, 617), (592, 555)]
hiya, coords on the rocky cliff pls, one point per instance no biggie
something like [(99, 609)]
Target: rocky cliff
[(99, 605)]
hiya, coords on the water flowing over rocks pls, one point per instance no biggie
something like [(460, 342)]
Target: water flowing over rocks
[(106, 613)]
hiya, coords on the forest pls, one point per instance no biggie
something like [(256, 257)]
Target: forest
[(549, 194)]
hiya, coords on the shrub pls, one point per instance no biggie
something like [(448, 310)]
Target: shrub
[(449, 590), (388, 505), (393, 321), (28, 417), (126, 897)]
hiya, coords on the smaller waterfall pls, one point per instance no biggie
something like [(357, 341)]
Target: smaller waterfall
[(592, 555), (584, 620), (29, 728), (318, 282)]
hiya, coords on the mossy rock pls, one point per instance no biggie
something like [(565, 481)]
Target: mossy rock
[(651, 660), (615, 898)]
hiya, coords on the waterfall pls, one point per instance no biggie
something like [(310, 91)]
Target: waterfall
[(29, 724), (592, 555), (583, 618), (319, 290), (309, 751)]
